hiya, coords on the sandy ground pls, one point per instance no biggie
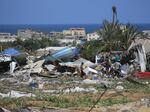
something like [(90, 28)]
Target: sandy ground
[(137, 105)]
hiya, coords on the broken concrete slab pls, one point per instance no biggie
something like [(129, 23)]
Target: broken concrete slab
[(5, 58), (50, 67), (72, 90), (88, 70), (86, 62), (37, 64), (77, 63), (119, 88), (88, 81), (17, 94), (10, 80), (69, 64), (4, 110), (34, 68)]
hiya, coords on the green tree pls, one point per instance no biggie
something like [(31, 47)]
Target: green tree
[(90, 49), (116, 36), (19, 44), (45, 42), (129, 33), (111, 35)]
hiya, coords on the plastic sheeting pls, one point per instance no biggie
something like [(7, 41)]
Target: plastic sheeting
[(10, 52), (67, 52)]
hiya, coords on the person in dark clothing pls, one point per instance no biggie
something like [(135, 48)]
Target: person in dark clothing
[(127, 57), (131, 56), (82, 74)]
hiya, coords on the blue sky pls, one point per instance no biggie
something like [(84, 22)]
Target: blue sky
[(72, 11)]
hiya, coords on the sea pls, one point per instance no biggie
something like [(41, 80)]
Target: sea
[(60, 27)]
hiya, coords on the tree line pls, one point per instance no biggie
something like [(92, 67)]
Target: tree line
[(29, 45)]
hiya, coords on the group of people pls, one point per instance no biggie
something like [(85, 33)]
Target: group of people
[(116, 64)]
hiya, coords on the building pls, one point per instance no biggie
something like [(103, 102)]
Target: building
[(92, 36), (24, 33), (54, 34), (67, 32), (27, 34), (68, 41), (37, 35), (146, 32), (6, 37), (75, 32)]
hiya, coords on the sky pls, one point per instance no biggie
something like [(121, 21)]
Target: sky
[(72, 11)]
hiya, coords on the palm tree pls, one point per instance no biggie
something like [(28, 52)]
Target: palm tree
[(114, 35), (114, 14), (110, 34), (129, 33)]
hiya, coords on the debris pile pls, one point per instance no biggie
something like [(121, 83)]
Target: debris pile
[(44, 73)]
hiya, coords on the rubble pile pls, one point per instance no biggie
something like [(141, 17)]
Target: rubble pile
[(48, 73)]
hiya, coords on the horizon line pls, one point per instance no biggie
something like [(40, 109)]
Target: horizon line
[(66, 23)]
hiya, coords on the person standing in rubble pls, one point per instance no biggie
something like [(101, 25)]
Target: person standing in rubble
[(82, 74), (107, 65)]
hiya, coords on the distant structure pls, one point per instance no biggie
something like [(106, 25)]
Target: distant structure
[(25, 34), (147, 32), (92, 36), (6, 37), (75, 33), (72, 36), (37, 35), (54, 34)]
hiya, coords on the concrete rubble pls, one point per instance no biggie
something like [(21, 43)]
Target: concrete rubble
[(4, 110), (48, 74), (16, 94), (72, 90), (92, 73)]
